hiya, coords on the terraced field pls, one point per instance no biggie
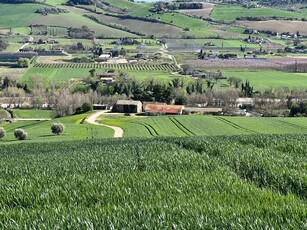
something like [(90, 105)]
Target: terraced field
[(196, 125)]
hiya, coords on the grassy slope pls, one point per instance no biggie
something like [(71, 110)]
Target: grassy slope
[(55, 2), (32, 113), (40, 131), (21, 15), (17, 15), (270, 79), (198, 28), (231, 12), (137, 9), (51, 74), (260, 80), (204, 125), (76, 20), (197, 183)]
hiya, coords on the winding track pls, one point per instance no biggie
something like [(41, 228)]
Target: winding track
[(118, 132)]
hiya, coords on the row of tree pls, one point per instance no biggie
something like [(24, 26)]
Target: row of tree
[(20, 134)]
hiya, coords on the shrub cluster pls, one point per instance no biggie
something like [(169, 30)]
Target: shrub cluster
[(2, 133), (20, 134), (57, 128)]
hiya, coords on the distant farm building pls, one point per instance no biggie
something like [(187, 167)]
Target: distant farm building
[(152, 102), (105, 56), (198, 110), (127, 106), (101, 107), (106, 77), (157, 109)]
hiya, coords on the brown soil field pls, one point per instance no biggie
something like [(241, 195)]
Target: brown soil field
[(157, 29), (276, 25), (149, 28), (203, 13), (288, 60), (4, 31), (234, 64), (12, 73)]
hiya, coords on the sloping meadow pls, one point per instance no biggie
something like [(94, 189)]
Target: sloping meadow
[(240, 182)]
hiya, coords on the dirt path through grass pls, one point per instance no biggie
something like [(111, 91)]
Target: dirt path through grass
[(118, 132)]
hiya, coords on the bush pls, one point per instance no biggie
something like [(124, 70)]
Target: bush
[(86, 107), (23, 62), (57, 128), (2, 133), (20, 134)]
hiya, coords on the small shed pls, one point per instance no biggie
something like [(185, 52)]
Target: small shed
[(101, 107), (105, 56), (127, 106), (158, 109)]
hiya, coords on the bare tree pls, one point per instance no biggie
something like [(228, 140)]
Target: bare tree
[(196, 99)]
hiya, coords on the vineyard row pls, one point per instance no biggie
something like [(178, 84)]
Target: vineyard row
[(139, 67)]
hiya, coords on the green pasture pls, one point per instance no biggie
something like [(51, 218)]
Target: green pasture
[(55, 2), (199, 125), (21, 30), (41, 131), (254, 182), (64, 74), (137, 9), (13, 48), (52, 74), (17, 15), (231, 12), (32, 113), (265, 79)]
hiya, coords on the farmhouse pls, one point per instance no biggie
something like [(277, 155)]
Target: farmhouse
[(127, 106), (157, 109)]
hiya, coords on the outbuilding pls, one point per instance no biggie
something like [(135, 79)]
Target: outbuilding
[(127, 106), (199, 110)]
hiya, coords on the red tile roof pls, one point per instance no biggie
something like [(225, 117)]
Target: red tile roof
[(163, 109)]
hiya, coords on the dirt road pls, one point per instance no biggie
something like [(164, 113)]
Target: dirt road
[(118, 132)]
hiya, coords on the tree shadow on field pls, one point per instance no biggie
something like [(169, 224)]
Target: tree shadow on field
[(53, 135)]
